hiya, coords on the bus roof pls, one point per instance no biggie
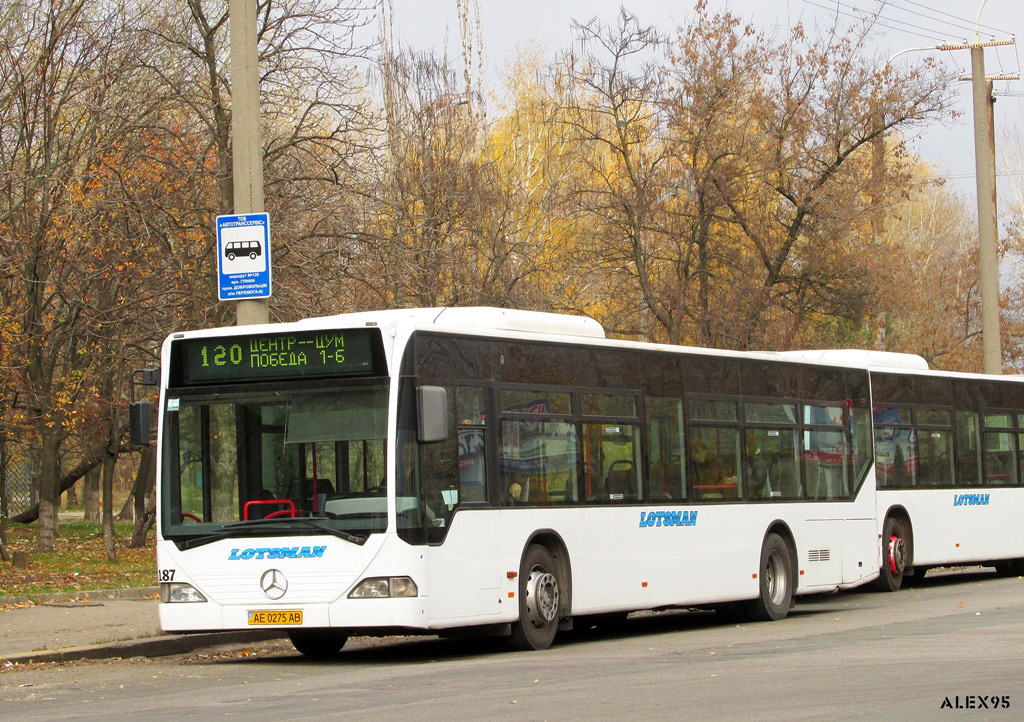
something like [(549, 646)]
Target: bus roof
[(860, 358), (477, 318)]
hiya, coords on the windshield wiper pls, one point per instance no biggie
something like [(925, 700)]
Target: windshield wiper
[(256, 527)]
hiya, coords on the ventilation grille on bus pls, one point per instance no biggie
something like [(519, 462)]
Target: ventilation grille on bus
[(819, 555)]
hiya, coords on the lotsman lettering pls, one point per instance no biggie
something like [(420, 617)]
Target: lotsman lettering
[(316, 552), (668, 518), (971, 499)]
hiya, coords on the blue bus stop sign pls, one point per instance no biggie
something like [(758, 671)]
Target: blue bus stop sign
[(243, 257)]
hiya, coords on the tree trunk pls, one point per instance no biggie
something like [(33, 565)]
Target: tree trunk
[(3, 496), (108, 502), (144, 482), (130, 508), (49, 491), (91, 496), (71, 498)]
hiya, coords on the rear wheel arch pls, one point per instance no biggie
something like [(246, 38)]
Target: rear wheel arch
[(782, 529), (556, 546), (896, 523), (901, 514)]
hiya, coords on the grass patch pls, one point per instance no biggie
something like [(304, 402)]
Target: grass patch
[(79, 563)]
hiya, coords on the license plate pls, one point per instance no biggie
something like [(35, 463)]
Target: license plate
[(262, 617)]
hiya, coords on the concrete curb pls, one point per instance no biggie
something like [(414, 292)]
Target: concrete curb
[(158, 646), (150, 647), (126, 593)]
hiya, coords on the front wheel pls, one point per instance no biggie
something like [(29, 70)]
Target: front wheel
[(776, 581), (895, 555), (539, 600), (318, 643)]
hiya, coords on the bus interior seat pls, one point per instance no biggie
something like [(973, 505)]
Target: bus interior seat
[(787, 482), (301, 490), (672, 485), (620, 481)]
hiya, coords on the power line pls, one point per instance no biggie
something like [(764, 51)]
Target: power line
[(878, 19), (962, 23), (964, 176)]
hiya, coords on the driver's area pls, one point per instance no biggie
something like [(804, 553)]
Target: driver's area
[(292, 455)]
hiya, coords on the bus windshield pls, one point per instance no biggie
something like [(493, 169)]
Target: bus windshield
[(280, 455)]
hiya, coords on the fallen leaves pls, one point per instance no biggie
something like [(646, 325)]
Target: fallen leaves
[(78, 562)]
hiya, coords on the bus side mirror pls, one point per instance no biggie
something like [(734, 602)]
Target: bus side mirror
[(139, 416), (141, 412), (432, 416)]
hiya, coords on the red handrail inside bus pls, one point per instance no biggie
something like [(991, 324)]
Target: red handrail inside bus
[(289, 509)]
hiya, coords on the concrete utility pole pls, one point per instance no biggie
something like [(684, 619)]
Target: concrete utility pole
[(985, 172), (246, 134), (985, 177)]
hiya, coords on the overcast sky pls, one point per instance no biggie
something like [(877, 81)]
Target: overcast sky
[(904, 24)]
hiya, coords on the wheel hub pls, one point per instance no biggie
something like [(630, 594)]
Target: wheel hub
[(775, 578), (542, 597), (897, 554)]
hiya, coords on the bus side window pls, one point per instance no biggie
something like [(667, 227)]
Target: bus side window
[(471, 424), (713, 463), (612, 462), (665, 431), (713, 459), (968, 449)]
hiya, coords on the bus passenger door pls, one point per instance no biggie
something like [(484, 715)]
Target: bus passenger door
[(463, 556), (465, 577)]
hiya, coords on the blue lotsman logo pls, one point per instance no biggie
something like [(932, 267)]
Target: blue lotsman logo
[(668, 518), (970, 499), (278, 553)]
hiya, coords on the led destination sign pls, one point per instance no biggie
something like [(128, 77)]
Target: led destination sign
[(276, 356)]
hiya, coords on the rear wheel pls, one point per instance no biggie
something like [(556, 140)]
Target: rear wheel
[(318, 643), (539, 600), (895, 555), (776, 581)]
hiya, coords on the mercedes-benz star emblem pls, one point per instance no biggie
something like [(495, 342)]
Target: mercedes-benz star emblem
[(273, 584)]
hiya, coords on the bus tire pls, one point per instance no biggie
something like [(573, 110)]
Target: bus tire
[(894, 555), (775, 575), (539, 600), (318, 643)]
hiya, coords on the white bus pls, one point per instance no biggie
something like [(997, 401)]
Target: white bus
[(504, 471), (949, 471)]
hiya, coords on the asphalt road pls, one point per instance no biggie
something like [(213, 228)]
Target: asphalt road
[(950, 648)]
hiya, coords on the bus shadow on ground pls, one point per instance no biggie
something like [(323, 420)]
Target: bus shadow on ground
[(948, 576), (427, 649)]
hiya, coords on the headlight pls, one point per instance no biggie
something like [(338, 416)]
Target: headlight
[(384, 587), (179, 592)]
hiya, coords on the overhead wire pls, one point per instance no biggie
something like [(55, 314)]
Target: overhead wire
[(878, 19), (890, 22), (965, 23)]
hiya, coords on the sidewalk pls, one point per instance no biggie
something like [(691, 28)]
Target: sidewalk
[(101, 625)]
